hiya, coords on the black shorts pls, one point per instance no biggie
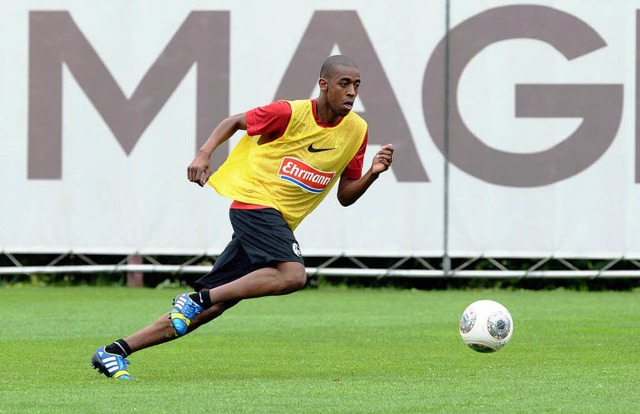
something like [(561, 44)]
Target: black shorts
[(261, 238)]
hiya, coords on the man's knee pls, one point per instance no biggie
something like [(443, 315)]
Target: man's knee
[(294, 275)]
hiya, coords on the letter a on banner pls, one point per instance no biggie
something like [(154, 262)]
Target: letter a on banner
[(386, 121)]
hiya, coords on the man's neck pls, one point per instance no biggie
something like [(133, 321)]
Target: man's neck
[(324, 113)]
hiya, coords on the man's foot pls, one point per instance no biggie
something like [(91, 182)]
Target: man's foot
[(111, 365), (183, 312)]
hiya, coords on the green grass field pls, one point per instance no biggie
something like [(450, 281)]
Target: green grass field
[(327, 350)]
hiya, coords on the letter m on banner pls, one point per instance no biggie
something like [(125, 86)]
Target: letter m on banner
[(55, 39)]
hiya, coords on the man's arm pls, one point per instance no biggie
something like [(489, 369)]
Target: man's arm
[(199, 170), (350, 190)]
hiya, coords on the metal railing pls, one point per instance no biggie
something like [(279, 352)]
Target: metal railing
[(334, 266)]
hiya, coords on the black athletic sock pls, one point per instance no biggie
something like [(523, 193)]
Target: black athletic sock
[(119, 347), (202, 298)]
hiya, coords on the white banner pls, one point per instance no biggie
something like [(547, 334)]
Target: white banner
[(103, 106)]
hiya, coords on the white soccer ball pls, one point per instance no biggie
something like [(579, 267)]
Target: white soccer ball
[(486, 326)]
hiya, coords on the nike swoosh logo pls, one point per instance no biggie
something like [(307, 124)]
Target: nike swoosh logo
[(311, 149)]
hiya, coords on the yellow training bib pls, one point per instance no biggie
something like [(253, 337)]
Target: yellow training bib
[(295, 172)]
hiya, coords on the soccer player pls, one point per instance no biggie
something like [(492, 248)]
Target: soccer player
[(292, 154)]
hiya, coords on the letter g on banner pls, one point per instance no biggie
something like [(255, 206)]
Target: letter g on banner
[(600, 105)]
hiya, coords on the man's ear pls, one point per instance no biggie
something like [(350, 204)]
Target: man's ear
[(324, 85)]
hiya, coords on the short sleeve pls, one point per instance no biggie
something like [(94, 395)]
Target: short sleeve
[(269, 120), (354, 168)]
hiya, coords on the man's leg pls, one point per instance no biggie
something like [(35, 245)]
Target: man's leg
[(161, 330), (111, 360), (282, 279), (272, 249)]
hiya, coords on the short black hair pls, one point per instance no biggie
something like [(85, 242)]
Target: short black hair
[(328, 67)]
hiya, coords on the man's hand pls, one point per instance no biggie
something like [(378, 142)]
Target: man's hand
[(199, 170), (382, 160), (350, 190)]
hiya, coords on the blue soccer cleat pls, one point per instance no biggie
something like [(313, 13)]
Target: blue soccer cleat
[(183, 312), (111, 365)]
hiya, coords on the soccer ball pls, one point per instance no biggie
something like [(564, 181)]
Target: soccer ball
[(486, 326)]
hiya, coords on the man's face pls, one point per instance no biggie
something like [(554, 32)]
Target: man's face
[(342, 89)]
